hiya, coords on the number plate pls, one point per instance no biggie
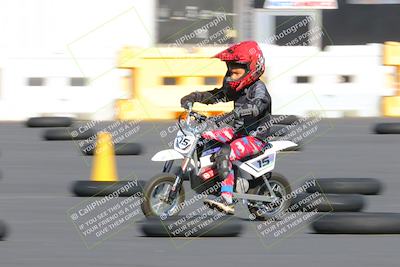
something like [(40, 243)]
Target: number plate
[(263, 162), (183, 143)]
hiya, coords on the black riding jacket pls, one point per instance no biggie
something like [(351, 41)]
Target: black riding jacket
[(252, 108)]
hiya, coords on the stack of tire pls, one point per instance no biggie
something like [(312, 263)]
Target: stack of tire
[(3, 227), (62, 128), (3, 230), (66, 129), (343, 200), (387, 128), (363, 222), (121, 149), (336, 194)]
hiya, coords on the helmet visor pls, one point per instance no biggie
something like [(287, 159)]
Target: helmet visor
[(236, 71)]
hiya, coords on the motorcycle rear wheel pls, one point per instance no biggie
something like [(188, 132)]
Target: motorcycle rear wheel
[(261, 212)]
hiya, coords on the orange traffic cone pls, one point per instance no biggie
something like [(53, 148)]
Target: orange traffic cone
[(104, 179), (104, 166)]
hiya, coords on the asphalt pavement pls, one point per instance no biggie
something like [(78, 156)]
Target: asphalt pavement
[(35, 200)]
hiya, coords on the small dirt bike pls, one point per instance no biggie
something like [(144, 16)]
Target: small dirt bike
[(260, 189)]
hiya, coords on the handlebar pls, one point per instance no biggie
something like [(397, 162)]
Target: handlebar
[(198, 117), (190, 107)]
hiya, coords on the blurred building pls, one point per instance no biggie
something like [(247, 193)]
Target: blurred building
[(78, 57), (58, 57)]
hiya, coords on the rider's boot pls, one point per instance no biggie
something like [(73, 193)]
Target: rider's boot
[(223, 203)]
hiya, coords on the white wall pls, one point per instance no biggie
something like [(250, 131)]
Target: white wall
[(51, 25), (62, 39), (326, 91)]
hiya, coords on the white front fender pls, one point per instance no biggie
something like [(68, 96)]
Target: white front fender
[(165, 155)]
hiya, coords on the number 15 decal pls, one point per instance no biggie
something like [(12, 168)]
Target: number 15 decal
[(262, 163), (184, 143)]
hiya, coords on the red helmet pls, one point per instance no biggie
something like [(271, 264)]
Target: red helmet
[(250, 55)]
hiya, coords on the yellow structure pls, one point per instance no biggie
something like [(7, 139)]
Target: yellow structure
[(391, 57), (159, 77), (104, 166)]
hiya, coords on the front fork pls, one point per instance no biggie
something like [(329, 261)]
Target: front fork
[(167, 166), (176, 187)]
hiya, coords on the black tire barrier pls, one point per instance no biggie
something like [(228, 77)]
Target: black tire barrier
[(218, 225), (49, 122), (104, 188), (284, 119), (362, 186), (128, 149), (121, 149), (67, 134), (327, 203), (387, 128), (3, 230), (358, 223)]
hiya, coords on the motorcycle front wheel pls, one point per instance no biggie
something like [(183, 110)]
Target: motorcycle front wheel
[(155, 194)]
